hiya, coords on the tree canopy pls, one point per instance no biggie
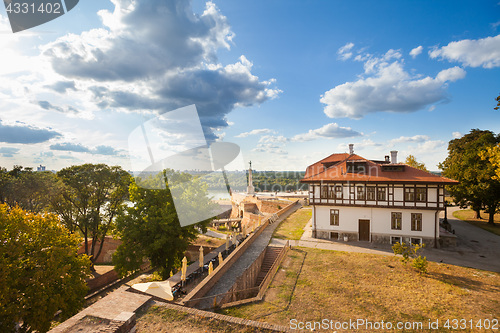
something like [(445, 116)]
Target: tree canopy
[(29, 190), (412, 161), (150, 228), (93, 196), (478, 186), (40, 270)]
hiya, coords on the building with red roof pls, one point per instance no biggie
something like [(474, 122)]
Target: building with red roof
[(354, 198)]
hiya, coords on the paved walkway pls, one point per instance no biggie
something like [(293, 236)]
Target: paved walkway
[(476, 248), (251, 254)]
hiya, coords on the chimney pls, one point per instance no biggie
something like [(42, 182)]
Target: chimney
[(394, 156), (387, 158), (351, 148)]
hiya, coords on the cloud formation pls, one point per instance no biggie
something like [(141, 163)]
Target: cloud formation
[(415, 138), (386, 86), (255, 132), (79, 148), (8, 151), (332, 131), (160, 56), (345, 51), (416, 51), (484, 52), (25, 134)]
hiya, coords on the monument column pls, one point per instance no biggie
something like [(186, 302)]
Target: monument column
[(250, 188)]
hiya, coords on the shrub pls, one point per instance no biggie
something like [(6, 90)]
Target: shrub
[(410, 251)]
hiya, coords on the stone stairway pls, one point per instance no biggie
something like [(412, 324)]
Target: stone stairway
[(272, 253)]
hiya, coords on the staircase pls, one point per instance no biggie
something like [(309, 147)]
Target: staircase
[(272, 253)]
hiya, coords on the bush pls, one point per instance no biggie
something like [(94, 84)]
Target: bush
[(420, 264), (410, 251)]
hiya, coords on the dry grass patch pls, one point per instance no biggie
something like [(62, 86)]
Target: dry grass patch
[(160, 319), (468, 216), (208, 241), (293, 226), (316, 284)]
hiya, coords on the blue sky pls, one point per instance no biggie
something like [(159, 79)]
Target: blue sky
[(290, 82)]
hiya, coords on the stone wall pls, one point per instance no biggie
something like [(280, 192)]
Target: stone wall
[(109, 247)]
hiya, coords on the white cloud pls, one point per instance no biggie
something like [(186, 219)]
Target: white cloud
[(332, 130), (451, 74), (456, 135), (387, 87), (483, 52), (255, 132), (415, 138), (429, 147), (273, 139), (272, 144), (345, 51), (366, 143), (416, 51), (159, 56)]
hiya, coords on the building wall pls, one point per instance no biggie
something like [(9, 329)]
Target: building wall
[(394, 195), (380, 223)]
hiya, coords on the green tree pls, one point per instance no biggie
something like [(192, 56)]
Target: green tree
[(93, 196), (29, 190), (40, 271), (150, 229), (498, 103), (412, 161), (478, 186), (492, 154)]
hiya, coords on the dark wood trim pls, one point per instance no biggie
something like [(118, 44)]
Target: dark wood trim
[(379, 206)]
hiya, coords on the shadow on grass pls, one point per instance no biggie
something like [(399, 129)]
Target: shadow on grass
[(464, 282)]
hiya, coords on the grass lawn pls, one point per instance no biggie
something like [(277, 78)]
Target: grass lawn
[(313, 285), (293, 226), (203, 240), (468, 216), (160, 319)]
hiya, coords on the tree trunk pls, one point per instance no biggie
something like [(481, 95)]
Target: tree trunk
[(491, 212), (477, 214)]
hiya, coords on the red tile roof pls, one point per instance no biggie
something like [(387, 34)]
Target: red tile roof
[(334, 169)]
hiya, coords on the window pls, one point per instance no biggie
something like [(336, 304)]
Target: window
[(334, 217), (324, 192), (361, 193), (334, 235), (338, 192), (396, 218), (416, 241), (370, 193), (421, 194), (416, 221), (381, 194), (396, 239), (331, 193), (409, 194)]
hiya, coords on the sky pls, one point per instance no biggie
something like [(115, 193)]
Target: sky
[(289, 82)]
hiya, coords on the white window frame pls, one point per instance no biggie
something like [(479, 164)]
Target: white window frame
[(400, 240)]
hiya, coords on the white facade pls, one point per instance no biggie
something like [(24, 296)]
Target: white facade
[(380, 225)]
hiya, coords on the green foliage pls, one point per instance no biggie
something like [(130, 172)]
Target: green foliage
[(412, 161), (410, 252), (478, 186), (40, 270), (150, 229), (29, 190), (498, 103), (262, 180), (93, 196), (420, 264)]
